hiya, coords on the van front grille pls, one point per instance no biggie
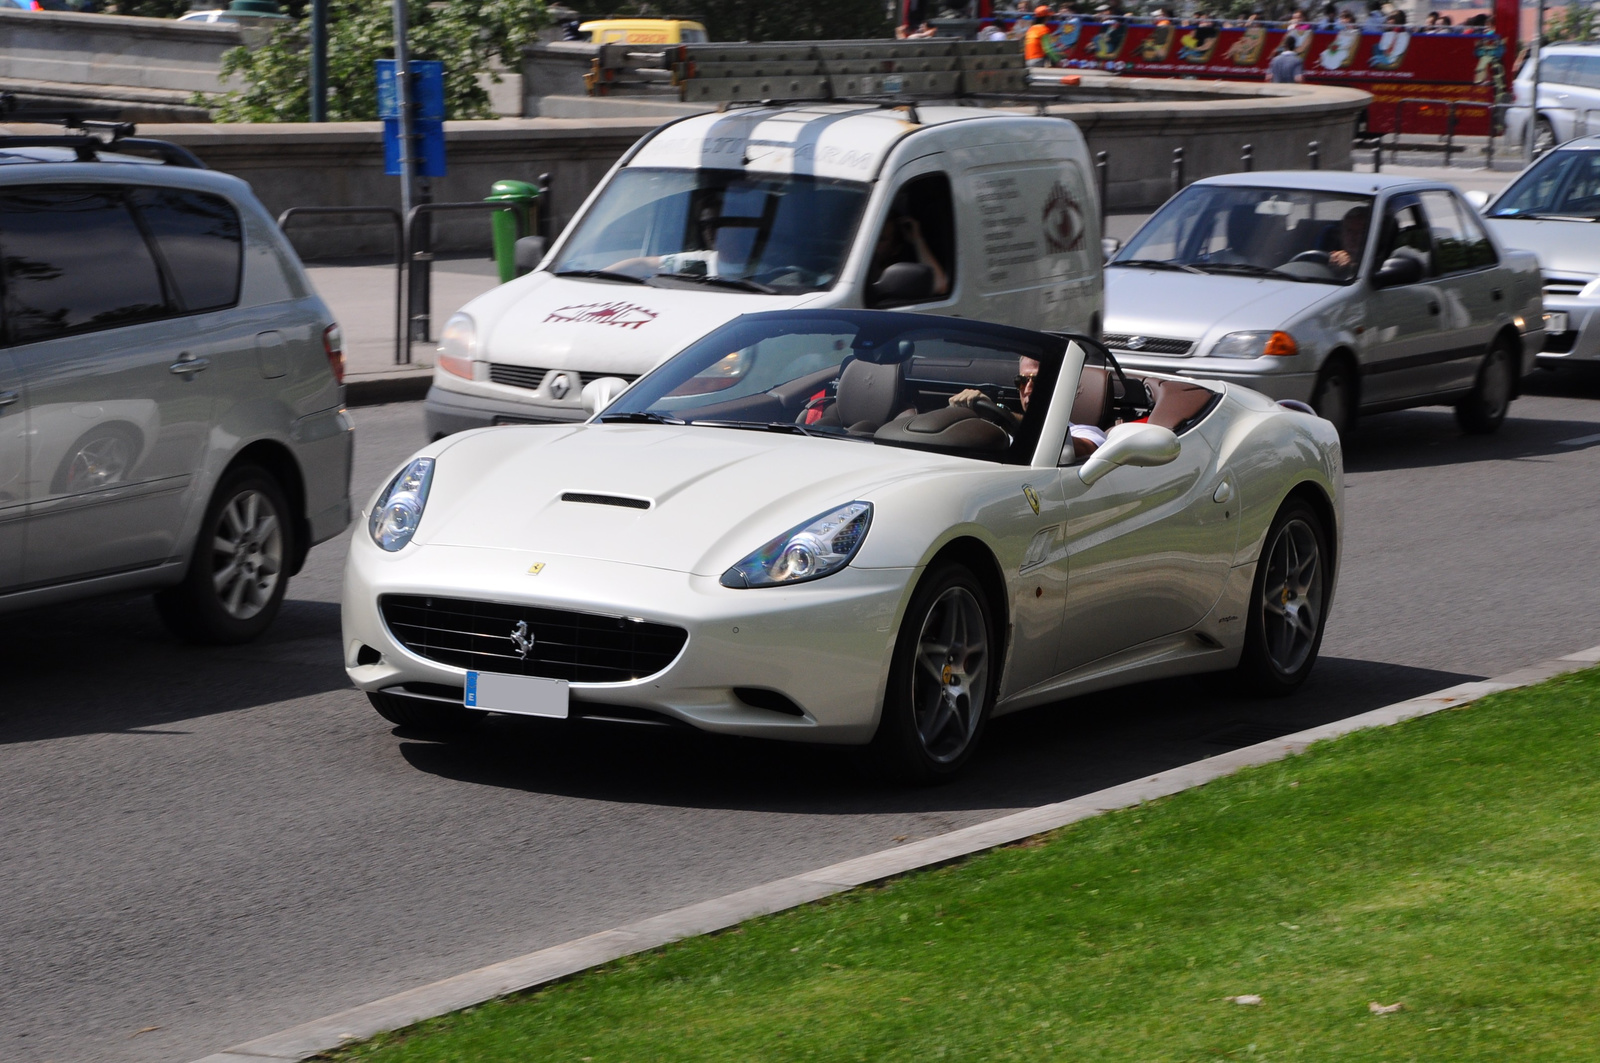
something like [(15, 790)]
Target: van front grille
[(531, 377)]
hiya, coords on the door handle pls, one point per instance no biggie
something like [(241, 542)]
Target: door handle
[(8, 398), (187, 365), (1497, 294), (1433, 308)]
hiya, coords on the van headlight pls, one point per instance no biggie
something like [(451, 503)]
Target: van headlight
[(819, 547), (399, 507), (458, 346)]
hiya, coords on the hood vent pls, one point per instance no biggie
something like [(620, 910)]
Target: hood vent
[(591, 499)]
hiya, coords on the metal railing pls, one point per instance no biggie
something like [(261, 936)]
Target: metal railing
[(402, 350)]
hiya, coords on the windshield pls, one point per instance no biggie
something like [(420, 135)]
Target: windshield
[(1286, 233), (1563, 184), (761, 232), (908, 380)]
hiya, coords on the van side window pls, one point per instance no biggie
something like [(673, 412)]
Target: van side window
[(198, 236), (74, 261), (921, 229)]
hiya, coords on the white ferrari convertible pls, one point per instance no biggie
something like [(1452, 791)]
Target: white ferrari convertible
[(853, 527)]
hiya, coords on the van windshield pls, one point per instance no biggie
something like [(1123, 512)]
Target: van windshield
[(776, 233)]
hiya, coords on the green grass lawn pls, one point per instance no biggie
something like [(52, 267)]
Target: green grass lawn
[(1448, 864)]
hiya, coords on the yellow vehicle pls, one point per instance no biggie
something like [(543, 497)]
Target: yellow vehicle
[(644, 31)]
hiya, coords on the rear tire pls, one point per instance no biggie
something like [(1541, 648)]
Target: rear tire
[(439, 720), (942, 681), (1482, 412), (1336, 396), (1288, 603), (239, 567)]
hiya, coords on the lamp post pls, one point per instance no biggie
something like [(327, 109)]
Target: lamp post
[(319, 60)]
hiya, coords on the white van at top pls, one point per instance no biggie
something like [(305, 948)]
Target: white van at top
[(939, 209)]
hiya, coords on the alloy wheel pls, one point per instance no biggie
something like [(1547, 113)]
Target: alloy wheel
[(247, 554), (950, 685), (1292, 596)]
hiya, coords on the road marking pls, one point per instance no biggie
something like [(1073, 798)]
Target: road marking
[(563, 961), (1580, 441)]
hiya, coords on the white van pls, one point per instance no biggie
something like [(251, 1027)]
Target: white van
[(952, 210)]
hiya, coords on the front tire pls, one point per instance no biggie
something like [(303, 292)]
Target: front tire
[(1482, 412), (1335, 397), (1288, 603), (943, 679), (238, 569)]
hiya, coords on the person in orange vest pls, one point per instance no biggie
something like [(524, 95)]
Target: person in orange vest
[(1033, 40)]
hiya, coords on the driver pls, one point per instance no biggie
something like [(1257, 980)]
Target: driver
[(902, 241), (1352, 241), (1086, 438)]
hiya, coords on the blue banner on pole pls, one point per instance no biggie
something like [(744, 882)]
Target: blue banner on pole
[(427, 121)]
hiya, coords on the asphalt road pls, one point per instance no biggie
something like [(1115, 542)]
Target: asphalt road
[(198, 847)]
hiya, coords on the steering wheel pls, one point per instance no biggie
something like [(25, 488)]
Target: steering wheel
[(1319, 257), (990, 411)]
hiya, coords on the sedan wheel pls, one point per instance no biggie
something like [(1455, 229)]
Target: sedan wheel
[(1334, 398), (1289, 603), (943, 681), (1482, 412)]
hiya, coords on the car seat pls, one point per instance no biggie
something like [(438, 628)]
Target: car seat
[(867, 397)]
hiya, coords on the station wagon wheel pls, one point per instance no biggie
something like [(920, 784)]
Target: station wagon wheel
[(238, 569), (1288, 602), (1482, 412), (943, 680)]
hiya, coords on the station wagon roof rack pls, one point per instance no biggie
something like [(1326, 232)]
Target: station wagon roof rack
[(88, 137)]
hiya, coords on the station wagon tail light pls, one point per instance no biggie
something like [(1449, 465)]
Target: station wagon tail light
[(819, 547), (1255, 345), (458, 346), (333, 347)]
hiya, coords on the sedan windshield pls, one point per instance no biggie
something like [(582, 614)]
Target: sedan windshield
[(906, 380), (1281, 233), (771, 233), (1564, 185)]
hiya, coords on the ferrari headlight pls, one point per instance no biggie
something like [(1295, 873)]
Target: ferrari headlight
[(458, 346), (399, 508), (1255, 345), (817, 548)]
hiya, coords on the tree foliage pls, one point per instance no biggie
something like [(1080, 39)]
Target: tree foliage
[(466, 35), (752, 20)]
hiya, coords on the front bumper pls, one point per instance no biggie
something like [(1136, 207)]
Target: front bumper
[(448, 410), (824, 645), (1580, 342)]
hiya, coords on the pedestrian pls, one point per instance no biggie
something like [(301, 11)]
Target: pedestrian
[(1033, 40), (1286, 67)]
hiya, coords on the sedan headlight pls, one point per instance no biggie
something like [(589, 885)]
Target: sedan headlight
[(817, 548), (1255, 345), (458, 346), (1591, 290), (395, 518)]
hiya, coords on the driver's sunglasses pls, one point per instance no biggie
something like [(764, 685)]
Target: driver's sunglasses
[(1025, 381)]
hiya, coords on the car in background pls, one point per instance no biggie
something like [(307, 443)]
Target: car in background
[(171, 407), (643, 31), (1569, 96), (1351, 292), (882, 530), (1553, 210)]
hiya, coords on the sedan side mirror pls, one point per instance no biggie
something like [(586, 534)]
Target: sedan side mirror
[(1131, 444), (598, 394), (1397, 271), (1109, 246), (1478, 198), (902, 282)]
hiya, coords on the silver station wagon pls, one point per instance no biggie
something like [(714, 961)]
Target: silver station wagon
[(1351, 292), (171, 408)]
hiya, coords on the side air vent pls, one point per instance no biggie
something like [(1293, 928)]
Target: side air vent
[(605, 500)]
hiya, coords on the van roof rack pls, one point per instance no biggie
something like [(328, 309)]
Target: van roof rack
[(87, 137)]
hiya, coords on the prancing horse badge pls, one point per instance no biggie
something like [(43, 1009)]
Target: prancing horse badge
[(1032, 496)]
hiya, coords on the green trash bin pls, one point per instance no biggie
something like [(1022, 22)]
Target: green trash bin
[(511, 225)]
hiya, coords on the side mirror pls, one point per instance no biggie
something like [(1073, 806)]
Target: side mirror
[(1131, 444), (528, 252), (903, 282), (1478, 198), (1397, 271), (1109, 246), (598, 394)]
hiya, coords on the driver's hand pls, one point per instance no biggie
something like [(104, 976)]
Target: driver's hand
[(1339, 258), (965, 398)]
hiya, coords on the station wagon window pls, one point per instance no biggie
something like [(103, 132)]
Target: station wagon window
[(1459, 242), (199, 238), (1562, 185), (74, 261)]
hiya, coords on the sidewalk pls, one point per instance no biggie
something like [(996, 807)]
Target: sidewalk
[(361, 294)]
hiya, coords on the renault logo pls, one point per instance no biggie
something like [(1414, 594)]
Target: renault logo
[(522, 639), (560, 384)]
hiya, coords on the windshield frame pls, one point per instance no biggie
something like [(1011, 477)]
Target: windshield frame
[(702, 187), (1131, 255)]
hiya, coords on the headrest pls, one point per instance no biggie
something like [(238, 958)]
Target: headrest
[(1093, 401), (869, 392)]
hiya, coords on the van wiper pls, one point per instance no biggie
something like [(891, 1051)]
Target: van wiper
[(1157, 263), (639, 417), (790, 427), (601, 275), (741, 284)]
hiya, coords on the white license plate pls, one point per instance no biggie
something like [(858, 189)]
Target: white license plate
[(522, 695), (1555, 321)]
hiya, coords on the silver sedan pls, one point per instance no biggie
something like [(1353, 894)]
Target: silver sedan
[(1351, 292)]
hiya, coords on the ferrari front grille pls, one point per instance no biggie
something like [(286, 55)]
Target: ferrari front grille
[(530, 376), (1122, 341), (524, 640)]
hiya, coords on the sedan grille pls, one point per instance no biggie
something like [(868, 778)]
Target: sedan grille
[(578, 647), (1564, 287), (1122, 341), (530, 376)]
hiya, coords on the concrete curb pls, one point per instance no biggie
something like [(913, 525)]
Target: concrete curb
[(378, 388), (573, 957)]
